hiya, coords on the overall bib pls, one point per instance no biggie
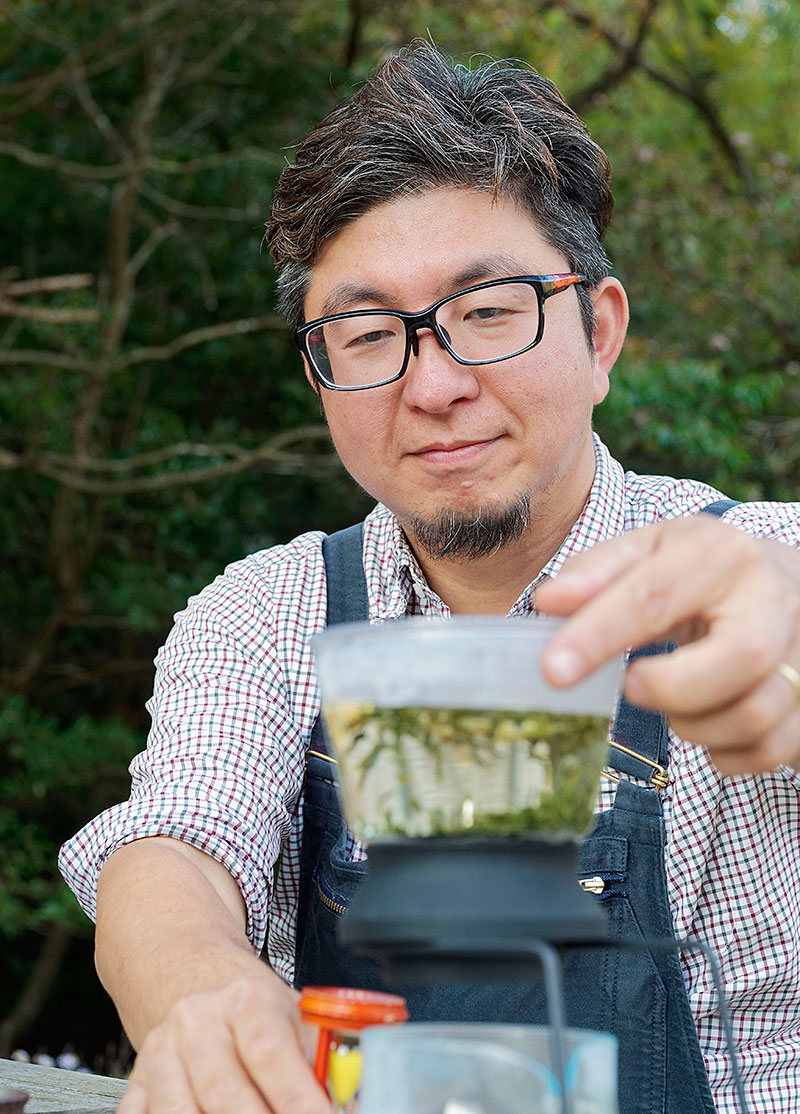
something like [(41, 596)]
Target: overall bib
[(640, 997)]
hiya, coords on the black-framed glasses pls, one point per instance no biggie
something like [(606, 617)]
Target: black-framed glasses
[(484, 324)]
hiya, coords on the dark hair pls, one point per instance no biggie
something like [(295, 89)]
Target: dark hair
[(421, 122)]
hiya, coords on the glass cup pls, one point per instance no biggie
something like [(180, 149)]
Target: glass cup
[(450, 1068), (449, 727)]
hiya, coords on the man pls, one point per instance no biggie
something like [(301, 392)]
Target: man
[(438, 243)]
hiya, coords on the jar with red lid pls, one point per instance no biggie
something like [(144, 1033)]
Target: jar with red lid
[(340, 1013)]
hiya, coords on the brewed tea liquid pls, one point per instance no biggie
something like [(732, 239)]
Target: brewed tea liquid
[(432, 771)]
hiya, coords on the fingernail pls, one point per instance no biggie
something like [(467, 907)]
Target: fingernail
[(565, 665)]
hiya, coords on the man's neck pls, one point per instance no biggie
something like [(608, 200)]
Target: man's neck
[(491, 585)]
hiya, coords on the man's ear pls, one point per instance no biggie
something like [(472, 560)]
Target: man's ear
[(611, 324)]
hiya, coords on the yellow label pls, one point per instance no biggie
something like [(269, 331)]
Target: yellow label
[(344, 1073)]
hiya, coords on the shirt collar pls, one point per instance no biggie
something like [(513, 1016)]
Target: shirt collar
[(396, 585), (602, 517)]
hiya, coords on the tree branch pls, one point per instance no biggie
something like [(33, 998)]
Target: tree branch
[(61, 166), (696, 95), (629, 60), (112, 172), (46, 284), (95, 113), (67, 677), (42, 85), (212, 162), (158, 353), (10, 291), (146, 460), (353, 44), (199, 336), (37, 651), (197, 212), (35, 989), (161, 66), (10, 308), (277, 453), (279, 443), (33, 28), (14, 356), (206, 66), (150, 245), (690, 91), (204, 274)]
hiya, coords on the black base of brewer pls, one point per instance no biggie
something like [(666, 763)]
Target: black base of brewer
[(463, 909)]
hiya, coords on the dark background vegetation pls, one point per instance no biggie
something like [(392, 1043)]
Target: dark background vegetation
[(154, 423)]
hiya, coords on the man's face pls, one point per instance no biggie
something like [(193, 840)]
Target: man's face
[(448, 438)]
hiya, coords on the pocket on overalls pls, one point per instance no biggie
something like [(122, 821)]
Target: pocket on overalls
[(603, 864), (333, 873), (329, 878), (337, 875)]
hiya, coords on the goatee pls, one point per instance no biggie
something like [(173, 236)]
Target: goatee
[(464, 536)]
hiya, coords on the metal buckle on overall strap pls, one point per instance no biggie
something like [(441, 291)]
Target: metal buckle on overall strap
[(659, 779), (319, 754)]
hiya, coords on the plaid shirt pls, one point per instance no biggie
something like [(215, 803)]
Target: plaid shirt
[(236, 698)]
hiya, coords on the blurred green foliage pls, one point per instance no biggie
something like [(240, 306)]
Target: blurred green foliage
[(146, 438)]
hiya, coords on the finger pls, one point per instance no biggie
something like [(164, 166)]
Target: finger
[(585, 574), (159, 1072), (766, 717), (134, 1101), (273, 1057), (687, 575), (219, 1082), (757, 716), (728, 664), (779, 747)]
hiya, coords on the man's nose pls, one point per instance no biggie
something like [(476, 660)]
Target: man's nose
[(434, 380)]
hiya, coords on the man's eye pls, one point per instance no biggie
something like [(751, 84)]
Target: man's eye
[(486, 313), (375, 337)]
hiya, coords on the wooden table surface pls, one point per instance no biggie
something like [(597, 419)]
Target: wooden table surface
[(55, 1090)]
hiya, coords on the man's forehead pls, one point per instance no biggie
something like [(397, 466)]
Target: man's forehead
[(353, 292)]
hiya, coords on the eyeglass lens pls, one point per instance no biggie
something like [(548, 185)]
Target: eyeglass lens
[(479, 325)]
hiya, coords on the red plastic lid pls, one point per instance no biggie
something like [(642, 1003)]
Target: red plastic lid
[(345, 1007)]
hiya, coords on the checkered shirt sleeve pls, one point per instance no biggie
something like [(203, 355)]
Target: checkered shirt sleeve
[(234, 702)]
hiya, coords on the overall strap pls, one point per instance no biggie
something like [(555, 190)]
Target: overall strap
[(317, 955), (344, 567), (347, 596), (642, 731), (719, 507)]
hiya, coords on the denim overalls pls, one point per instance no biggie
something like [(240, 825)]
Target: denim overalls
[(638, 996)]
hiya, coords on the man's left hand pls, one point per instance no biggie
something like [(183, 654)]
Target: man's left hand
[(732, 604)]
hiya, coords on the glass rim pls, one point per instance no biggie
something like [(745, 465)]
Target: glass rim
[(481, 662), (506, 626)]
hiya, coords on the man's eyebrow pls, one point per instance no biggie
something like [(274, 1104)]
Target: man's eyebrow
[(345, 295), (496, 265)]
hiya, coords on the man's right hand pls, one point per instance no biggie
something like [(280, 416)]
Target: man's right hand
[(236, 1049), (217, 1031)]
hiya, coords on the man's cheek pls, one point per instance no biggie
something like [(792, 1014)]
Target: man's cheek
[(359, 450)]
